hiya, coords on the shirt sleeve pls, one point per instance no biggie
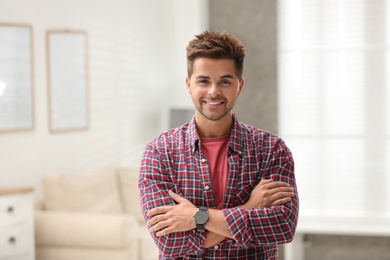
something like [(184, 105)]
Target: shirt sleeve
[(272, 225), (154, 183)]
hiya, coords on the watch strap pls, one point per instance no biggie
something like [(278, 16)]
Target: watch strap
[(203, 208), (201, 227)]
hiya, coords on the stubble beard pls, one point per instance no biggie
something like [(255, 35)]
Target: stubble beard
[(213, 116)]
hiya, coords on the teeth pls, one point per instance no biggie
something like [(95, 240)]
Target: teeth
[(213, 103)]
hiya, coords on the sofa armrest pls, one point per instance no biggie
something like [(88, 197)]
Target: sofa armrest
[(39, 205), (85, 229)]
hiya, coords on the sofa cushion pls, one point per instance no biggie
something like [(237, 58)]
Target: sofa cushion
[(128, 179), (96, 192), (69, 229)]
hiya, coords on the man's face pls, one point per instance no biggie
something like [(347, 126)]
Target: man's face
[(214, 87)]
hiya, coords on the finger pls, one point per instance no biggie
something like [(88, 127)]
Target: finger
[(279, 192), (273, 187), (154, 220), (159, 226), (164, 232), (265, 181), (281, 201), (277, 184), (157, 211), (176, 197), (285, 196)]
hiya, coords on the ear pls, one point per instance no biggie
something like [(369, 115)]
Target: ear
[(241, 84), (188, 85)]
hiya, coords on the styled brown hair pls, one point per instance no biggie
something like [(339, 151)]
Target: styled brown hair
[(216, 46)]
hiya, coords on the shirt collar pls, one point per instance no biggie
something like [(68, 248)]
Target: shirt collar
[(193, 135), (236, 140), (235, 135)]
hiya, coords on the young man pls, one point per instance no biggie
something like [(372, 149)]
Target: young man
[(216, 188)]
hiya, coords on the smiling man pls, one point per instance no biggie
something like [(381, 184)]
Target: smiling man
[(216, 188)]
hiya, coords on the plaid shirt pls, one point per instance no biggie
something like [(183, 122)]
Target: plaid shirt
[(175, 161)]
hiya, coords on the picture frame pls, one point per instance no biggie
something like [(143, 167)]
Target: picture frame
[(67, 65), (16, 77)]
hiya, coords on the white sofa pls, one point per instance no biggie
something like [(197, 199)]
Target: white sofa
[(92, 216)]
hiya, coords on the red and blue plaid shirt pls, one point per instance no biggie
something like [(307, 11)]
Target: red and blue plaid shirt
[(174, 161)]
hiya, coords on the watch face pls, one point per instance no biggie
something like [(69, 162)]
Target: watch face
[(201, 217)]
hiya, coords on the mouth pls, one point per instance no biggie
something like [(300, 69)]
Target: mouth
[(213, 103)]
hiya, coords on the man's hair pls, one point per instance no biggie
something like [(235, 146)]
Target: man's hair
[(216, 46)]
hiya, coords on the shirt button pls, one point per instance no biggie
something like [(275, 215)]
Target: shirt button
[(203, 160), (207, 187), (216, 247)]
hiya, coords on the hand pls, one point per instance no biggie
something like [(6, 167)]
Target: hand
[(269, 193), (168, 219)]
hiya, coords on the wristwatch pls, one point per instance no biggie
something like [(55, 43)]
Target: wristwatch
[(201, 217)]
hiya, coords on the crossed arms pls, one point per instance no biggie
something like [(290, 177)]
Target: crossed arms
[(260, 215), (169, 219)]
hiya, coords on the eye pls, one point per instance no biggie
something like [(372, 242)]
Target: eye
[(225, 82), (203, 82)]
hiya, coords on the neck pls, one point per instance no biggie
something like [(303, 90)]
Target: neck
[(209, 129)]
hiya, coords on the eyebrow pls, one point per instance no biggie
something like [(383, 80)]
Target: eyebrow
[(227, 76), (222, 77), (202, 77)]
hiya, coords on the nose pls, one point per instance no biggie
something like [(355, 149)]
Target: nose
[(214, 90)]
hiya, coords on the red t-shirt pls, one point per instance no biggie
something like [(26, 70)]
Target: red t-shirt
[(215, 150)]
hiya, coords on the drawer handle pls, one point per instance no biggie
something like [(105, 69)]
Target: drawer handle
[(12, 240), (10, 210)]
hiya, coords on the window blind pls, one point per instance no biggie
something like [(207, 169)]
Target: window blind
[(333, 101)]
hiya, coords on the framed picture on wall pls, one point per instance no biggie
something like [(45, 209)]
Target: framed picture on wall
[(16, 77), (67, 62)]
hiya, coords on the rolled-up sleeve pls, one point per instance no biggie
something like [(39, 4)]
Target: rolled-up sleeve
[(272, 225), (154, 184)]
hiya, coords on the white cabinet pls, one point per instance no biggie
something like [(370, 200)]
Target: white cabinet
[(16, 224)]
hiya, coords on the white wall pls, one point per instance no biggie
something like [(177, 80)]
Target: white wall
[(137, 71), (184, 11)]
